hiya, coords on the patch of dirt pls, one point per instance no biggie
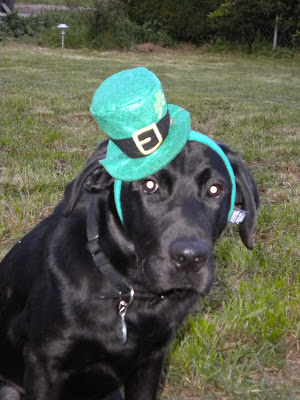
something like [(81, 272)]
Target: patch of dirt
[(150, 48), (293, 362)]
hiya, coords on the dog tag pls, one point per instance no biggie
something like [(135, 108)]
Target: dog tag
[(123, 307), (238, 216), (122, 312)]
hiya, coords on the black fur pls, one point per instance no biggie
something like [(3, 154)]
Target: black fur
[(58, 339)]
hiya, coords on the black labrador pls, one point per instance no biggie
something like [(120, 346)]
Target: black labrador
[(68, 330)]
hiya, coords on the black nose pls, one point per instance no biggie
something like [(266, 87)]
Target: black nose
[(188, 253)]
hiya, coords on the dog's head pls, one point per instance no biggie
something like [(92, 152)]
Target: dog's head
[(172, 218)]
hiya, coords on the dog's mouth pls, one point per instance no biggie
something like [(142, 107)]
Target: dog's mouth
[(163, 280), (179, 292), (183, 291)]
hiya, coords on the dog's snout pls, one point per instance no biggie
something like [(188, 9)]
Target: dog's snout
[(188, 254)]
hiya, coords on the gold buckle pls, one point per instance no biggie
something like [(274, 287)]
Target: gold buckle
[(140, 143)]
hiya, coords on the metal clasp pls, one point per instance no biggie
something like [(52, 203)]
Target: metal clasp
[(122, 309)]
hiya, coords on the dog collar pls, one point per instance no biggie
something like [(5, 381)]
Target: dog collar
[(198, 137), (124, 291)]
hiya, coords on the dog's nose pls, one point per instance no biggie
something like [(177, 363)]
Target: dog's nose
[(188, 253)]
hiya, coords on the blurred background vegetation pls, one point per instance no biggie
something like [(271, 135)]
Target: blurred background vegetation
[(246, 25)]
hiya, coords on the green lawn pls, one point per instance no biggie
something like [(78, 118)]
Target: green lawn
[(244, 341)]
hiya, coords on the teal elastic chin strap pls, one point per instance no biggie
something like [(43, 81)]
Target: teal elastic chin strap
[(198, 137)]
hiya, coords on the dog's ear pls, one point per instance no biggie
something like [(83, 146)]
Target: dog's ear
[(247, 196), (92, 178)]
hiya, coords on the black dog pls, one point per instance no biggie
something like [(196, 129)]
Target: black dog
[(65, 331)]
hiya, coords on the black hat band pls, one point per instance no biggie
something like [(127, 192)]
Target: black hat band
[(145, 141)]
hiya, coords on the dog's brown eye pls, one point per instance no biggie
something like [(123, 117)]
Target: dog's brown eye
[(149, 186), (215, 191)]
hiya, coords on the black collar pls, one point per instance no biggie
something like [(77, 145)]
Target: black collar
[(125, 291), (124, 288)]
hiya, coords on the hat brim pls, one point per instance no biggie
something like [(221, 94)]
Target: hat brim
[(122, 167)]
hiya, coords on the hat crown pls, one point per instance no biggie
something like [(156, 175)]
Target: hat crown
[(145, 133), (128, 101)]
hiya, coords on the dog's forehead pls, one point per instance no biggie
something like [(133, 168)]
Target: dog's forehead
[(193, 159)]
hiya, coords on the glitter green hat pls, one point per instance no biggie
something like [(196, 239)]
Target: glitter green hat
[(145, 132)]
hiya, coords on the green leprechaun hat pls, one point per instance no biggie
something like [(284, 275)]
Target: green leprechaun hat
[(145, 132)]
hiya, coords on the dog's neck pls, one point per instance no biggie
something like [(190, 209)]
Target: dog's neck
[(125, 291), (121, 283)]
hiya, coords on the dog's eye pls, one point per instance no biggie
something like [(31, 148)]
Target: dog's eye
[(149, 186), (215, 191)]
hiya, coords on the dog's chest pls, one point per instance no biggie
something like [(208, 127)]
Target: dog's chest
[(99, 366), (147, 328), (99, 355)]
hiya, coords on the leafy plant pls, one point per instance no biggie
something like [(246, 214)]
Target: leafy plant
[(111, 27), (13, 25)]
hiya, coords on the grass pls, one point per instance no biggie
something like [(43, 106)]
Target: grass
[(243, 341)]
